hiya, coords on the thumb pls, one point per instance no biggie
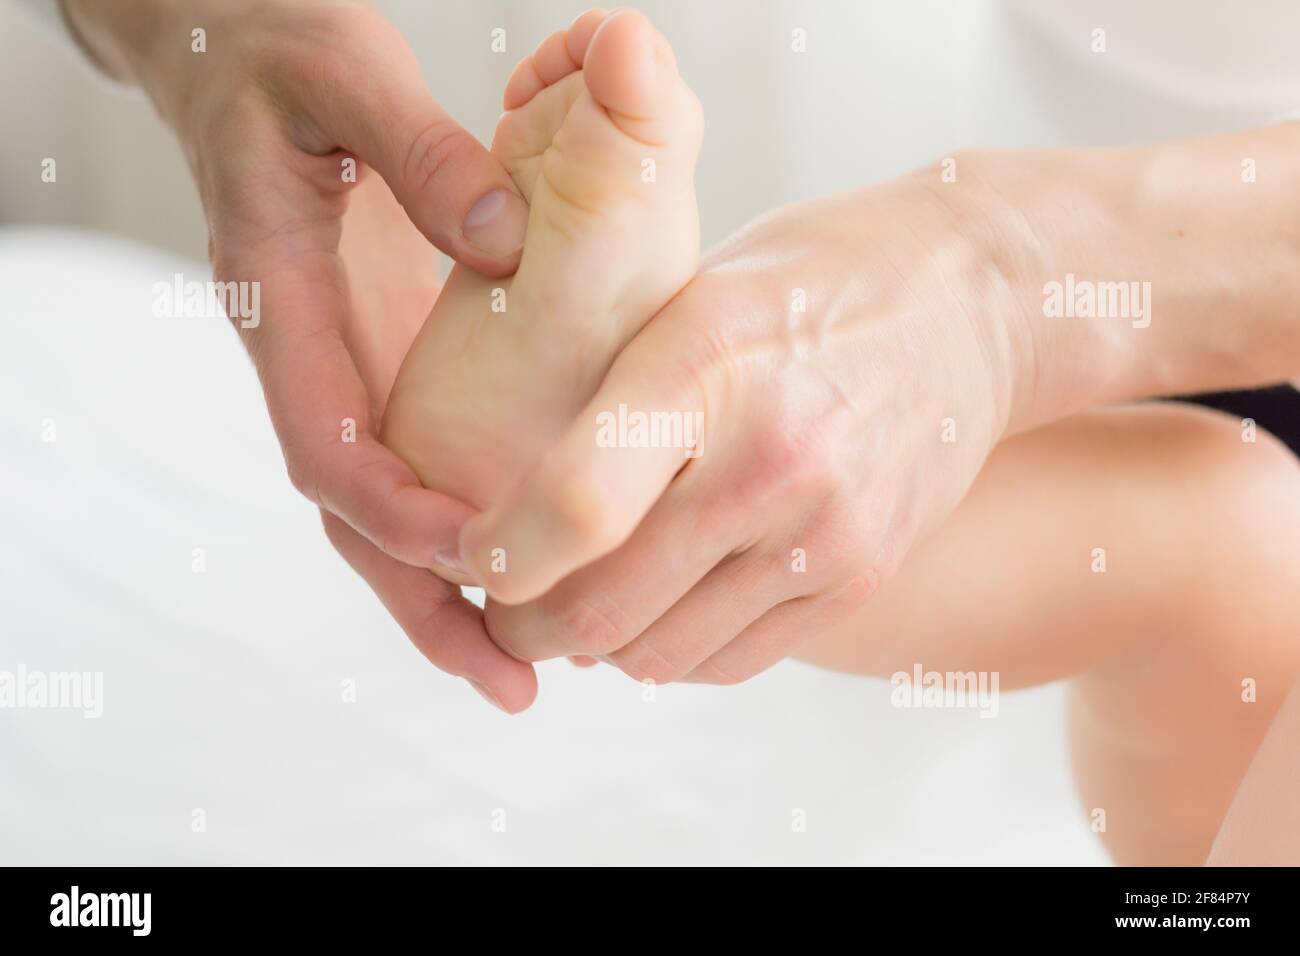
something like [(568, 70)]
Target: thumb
[(587, 495), (373, 101)]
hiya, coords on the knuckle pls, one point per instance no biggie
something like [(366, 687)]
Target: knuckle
[(436, 148), (302, 473), (590, 626), (502, 627), (859, 576), (859, 552), (775, 563), (650, 667), (788, 463), (645, 663), (810, 464), (711, 672), (704, 349), (376, 516), (585, 513), (705, 345), (707, 369)]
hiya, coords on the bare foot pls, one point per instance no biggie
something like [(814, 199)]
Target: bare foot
[(601, 135)]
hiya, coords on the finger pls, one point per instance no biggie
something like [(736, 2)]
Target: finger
[(775, 635), (591, 490), (579, 660), (379, 495), (371, 99), (729, 598), (602, 607), (322, 411), (444, 627)]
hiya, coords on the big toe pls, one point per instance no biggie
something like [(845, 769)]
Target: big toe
[(631, 71)]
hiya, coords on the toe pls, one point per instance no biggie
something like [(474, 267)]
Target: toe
[(580, 32), (523, 85), (555, 58), (629, 68), (552, 58)]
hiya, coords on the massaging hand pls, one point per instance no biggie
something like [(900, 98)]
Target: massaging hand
[(288, 97), (855, 360), (851, 384)]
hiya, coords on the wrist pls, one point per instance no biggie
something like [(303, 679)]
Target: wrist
[(1043, 221), (1160, 270)]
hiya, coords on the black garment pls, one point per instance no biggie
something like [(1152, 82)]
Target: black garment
[(1275, 409)]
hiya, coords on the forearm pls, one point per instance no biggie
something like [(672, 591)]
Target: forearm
[(1201, 257)]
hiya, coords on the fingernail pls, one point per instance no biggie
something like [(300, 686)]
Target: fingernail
[(496, 223), (487, 695), (450, 561)]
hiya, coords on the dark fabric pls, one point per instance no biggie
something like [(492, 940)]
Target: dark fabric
[(1274, 409)]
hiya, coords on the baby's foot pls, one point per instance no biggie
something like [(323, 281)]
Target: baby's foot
[(601, 136)]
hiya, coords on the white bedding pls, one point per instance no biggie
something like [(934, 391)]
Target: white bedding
[(222, 690)]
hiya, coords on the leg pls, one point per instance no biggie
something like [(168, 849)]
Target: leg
[(1262, 827), (1198, 594)]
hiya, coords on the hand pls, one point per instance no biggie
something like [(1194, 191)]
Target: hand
[(825, 430), (287, 100), (854, 360)]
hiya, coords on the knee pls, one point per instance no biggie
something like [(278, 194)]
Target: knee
[(1243, 539)]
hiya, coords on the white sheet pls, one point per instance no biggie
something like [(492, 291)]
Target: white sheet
[(223, 690)]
